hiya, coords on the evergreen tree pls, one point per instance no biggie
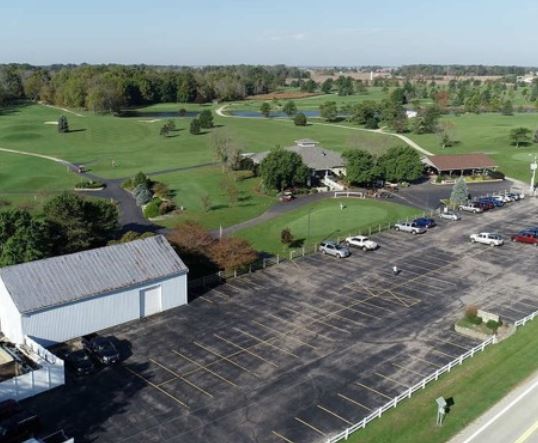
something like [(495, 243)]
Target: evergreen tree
[(265, 109), (290, 108), (300, 119), (206, 119), (507, 108), (460, 192), (63, 125), (195, 127)]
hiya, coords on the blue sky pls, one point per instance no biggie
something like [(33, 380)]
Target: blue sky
[(294, 32)]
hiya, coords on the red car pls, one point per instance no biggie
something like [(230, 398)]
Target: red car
[(526, 237)]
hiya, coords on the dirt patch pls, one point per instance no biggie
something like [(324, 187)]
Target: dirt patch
[(284, 95)]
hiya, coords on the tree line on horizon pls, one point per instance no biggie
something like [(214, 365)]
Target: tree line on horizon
[(109, 88)]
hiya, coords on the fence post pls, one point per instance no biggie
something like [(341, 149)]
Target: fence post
[(461, 359), (347, 433), (379, 413), (277, 259), (483, 346), (379, 228), (437, 374), (409, 393), (235, 273)]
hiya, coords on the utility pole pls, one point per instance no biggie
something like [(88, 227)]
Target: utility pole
[(534, 166)]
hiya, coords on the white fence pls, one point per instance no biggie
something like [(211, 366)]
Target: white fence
[(422, 384), (358, 194), (49, 375)]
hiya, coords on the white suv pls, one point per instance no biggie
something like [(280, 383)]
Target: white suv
[(411, 227), (487, 238), (361, 241)]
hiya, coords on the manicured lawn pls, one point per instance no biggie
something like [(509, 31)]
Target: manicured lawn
[(191, 186), (327, 221), (474, 387), (488, 133)]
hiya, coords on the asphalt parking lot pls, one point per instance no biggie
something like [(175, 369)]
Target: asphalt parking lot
[(301, 350)]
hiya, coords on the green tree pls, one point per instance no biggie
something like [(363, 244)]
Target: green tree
[(141, 179), (290, 108), (265, 109), (328, 111), (309, 86), (360, 166), (327, 86), (22, 238), (194, 127), (282, 169), (206, 119), (507, 108), (520, 136), (393, 114), (63, 125), (401, 163), (78, 224), (426, 121), (460, 192), (300, 119)]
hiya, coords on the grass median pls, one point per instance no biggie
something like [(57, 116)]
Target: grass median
[(474, 387)]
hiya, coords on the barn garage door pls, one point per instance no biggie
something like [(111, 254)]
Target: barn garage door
[(150, 301)]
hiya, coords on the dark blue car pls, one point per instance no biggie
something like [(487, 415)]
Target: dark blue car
[(494, 201), (424, 222)]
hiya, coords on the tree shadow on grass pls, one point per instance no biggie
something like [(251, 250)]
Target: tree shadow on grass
[(76, 130)]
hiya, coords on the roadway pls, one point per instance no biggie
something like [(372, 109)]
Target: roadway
[(513, 420)]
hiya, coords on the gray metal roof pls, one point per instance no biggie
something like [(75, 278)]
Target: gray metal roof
[(315, 157), (59, 280)]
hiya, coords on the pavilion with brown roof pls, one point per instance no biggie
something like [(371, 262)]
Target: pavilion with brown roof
[(462, 163)]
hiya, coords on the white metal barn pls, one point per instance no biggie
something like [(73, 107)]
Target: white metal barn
[(60, 298)]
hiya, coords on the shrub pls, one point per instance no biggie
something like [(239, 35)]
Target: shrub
[(476, 321), (166, 207), (493, 325), (152, 208), (182, 112), (206, 119), (142, 195), (89, 184), (141, 179), (286, 237), (161, 190)]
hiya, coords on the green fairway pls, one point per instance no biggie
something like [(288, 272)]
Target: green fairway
[(191, 186), (474, 387), (488, 133), (327, 221), (134, 144)]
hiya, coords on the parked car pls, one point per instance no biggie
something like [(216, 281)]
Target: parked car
[(286, 196), (450, 215), (486, 205), (471, 207), (334, 249), (491, 202), (80, 363), (102, 350), (425, 222), (530, 230), (411, 227), (19, 427), (526, 237), (487, 238), (505, 198), (363, 242)]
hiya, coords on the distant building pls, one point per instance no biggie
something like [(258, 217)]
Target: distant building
[(60, 298), (411, 113), (528, 78), (325, 165)]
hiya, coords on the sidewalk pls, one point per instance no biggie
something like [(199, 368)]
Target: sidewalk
[(514, 419)]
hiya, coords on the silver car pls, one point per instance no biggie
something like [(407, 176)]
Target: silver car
[(450, 215), (334, 249), (411, 227)]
